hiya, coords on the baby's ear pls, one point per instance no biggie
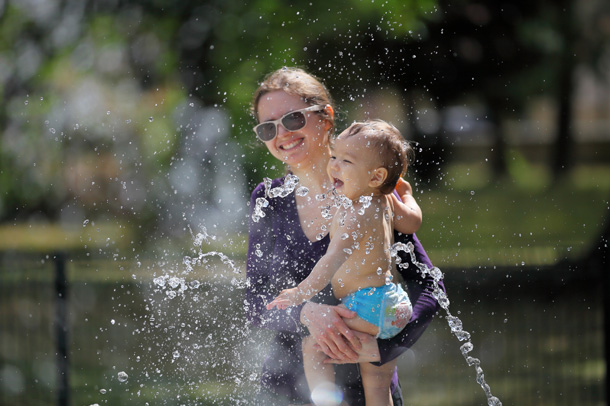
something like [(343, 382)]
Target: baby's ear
[(378, 176)]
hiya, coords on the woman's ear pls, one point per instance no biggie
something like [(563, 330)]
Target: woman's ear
[(328, 109), (378, 176)]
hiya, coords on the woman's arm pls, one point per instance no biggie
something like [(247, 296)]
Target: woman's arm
[(425, 305), (261, 286)]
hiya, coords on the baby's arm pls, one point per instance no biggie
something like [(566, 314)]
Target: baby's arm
[(337, 253), (407, 214)]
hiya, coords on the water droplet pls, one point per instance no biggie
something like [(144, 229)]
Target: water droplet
[(302, 191), (150, 119), (122, 376), (85, 222)]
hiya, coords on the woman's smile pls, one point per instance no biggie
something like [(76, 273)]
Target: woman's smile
[(290, 145)]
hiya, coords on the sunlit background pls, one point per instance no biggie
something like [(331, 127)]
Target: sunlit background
[(126, 148)]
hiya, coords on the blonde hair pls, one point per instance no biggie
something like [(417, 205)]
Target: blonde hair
[(395, 152)]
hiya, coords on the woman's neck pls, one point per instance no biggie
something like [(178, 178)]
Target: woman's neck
[(313, 177)]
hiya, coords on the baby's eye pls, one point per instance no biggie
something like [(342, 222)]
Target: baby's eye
[(347, 161), (333, 157)]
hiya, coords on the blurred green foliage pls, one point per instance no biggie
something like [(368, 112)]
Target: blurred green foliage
[(135, 114), (101, 98)]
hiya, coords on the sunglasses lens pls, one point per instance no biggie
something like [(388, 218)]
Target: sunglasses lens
[(265, 131), (294, 121)]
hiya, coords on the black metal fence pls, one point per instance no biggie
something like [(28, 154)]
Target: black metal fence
[(540, 334)]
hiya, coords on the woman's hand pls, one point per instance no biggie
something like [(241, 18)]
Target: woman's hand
[(404, 189), (341, 344), (326, 326), (368, 353), (407, 213)]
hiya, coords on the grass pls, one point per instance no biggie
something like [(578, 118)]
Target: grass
[(472, 220)]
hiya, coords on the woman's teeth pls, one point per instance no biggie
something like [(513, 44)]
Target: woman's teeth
[(291, 145)]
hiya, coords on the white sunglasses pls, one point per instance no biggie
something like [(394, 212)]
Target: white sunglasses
[(293, 121)]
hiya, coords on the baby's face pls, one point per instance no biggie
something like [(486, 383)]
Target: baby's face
[(351, 165)]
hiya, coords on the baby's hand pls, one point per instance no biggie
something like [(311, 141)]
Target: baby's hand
[(287, 298)]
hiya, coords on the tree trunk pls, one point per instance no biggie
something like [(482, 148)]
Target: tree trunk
[(563, 149)]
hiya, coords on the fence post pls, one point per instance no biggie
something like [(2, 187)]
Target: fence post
[(605, 269), (61, 328)]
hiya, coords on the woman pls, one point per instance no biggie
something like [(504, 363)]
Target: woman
[(296, 115)]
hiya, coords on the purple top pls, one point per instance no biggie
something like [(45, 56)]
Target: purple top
[(280, 256)]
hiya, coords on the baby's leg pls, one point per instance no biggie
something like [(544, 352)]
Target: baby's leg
[(316, 371), (370, 349), (376, 381)]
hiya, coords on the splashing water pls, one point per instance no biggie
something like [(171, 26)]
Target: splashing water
[(122, 376), (195, 331), (455, 324), (365, 201), (302, 191), (290, 184), (258, 212)]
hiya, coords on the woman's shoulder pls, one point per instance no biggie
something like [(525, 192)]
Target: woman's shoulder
[(262, 189)]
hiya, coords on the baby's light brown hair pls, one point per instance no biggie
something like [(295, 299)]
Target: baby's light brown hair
[(395, 153)]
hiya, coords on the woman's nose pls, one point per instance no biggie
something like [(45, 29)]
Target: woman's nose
[(281, 130)]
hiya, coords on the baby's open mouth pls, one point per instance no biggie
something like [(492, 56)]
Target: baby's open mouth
[(337, 183)]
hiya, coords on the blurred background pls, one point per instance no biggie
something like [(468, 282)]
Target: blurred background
[(127, 160)]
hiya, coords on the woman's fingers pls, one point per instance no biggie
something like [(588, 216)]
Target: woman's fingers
[(327, 327), (403, 187), (338, 341), (369, 351), (348, 333)]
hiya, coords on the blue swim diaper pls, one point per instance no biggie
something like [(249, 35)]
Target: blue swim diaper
[(387, 307)]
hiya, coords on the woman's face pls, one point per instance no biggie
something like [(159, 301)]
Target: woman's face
[(298, 149)]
